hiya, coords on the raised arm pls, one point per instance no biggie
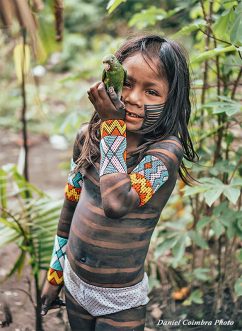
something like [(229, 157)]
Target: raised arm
[(122, 192)]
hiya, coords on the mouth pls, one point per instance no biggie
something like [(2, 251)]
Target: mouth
[(129, 114)]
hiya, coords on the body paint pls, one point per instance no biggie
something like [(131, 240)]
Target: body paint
[(152, 114)]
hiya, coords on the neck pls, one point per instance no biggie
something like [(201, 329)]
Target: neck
[(133, 140)]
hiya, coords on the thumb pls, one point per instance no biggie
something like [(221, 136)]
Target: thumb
[(45, 305)]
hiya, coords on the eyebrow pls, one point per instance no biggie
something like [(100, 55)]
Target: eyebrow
[(146, 84), (131, 78)]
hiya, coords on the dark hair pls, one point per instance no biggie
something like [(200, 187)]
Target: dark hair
[(172, 66)]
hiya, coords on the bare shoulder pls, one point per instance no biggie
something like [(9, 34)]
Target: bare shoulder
[(169, 150), (171, 143)]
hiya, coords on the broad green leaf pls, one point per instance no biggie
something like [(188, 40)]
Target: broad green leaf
[(232, 193), (212, 53), (198, 239), (236, 31), (147, 17), (198, 24), (238, 287), (165, 245), (178, 250), (195, 297), (218, 228), (191, 190), (113, 4), (223, 24), (212, 195), (202, 274), (226, 105), (203, 222)]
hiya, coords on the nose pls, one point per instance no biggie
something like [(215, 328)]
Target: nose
[(133, 97)]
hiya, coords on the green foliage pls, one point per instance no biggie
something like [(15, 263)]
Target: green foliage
[(30, 222), (201, 225)]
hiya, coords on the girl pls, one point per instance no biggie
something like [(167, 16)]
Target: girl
[(125, 166)]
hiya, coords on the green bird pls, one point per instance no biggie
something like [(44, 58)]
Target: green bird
[(113, 74)]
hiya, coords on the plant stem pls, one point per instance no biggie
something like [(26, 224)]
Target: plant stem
[(24, 110)]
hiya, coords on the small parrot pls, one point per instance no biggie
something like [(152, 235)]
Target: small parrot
[(113, 74)]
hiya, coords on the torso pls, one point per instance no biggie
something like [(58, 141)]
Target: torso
[(105, 251)]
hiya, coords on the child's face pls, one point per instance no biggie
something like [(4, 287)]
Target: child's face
[(143, 86)]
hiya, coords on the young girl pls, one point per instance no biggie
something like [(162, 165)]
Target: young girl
[(124, 168)]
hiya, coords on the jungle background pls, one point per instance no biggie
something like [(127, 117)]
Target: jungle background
[(51, 52)]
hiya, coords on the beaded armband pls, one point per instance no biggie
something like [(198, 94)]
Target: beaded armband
[(74, 184), (147, 177), (113, 146), (55, 272)]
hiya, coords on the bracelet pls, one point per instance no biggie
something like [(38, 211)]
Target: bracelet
[(55, 272), (113, 147)]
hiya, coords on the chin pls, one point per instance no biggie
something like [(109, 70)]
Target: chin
[(133, 127)]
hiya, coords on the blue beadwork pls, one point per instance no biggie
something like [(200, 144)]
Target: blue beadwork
[(113, 149)]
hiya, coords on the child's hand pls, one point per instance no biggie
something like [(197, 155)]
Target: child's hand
[(50, 299), (107, 105)]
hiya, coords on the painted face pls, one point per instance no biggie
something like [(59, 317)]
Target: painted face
[(144, 93)]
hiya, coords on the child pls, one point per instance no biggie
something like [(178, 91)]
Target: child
[(125, 166)]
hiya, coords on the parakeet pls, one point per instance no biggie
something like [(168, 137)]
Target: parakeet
[(113, 74)]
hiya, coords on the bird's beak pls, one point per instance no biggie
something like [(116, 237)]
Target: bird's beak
[(106, 66)]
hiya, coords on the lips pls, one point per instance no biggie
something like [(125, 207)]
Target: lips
[(133, 115)]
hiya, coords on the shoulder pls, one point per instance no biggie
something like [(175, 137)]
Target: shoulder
[(170, 150)]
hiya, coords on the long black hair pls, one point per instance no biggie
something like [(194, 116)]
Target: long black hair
[(172, 66)]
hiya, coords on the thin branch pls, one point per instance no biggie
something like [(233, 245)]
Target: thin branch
[(215, 38), (28, 295), (235, 169), (236, 83)]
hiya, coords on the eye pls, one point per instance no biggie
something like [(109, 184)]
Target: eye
[(152, 92), (127, 83)]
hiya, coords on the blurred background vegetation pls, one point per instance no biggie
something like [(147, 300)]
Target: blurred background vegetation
[(50, 57)]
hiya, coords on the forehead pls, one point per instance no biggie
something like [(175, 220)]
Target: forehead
[(139, 69)]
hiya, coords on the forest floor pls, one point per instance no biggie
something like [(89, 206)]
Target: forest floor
[(45, 173)]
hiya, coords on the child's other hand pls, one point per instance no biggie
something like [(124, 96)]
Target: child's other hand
[(50, 299), (107, 105)]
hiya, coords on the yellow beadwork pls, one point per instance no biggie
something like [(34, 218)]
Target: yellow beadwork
[(142, 186), (55, 277), (72, 193), (113, 128)]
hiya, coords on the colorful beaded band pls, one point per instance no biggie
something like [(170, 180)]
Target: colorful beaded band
[(113, 128), (55, 273), (113, 147), (147, 177), (75, 179), (72, 193)]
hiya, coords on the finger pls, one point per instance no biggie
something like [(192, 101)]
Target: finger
[(115, 99), (102, 91), (93, 91), (44, 309), (91, 98)]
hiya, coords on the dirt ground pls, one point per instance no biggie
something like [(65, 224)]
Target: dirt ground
[(45, 172)]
